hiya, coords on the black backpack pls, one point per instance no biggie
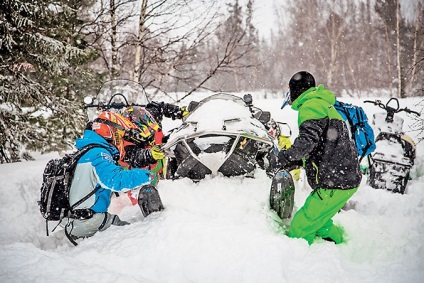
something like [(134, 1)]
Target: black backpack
[(57, 179)]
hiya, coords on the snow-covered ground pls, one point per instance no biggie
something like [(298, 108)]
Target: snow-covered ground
[(217, 230)]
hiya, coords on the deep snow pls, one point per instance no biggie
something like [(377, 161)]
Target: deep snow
[(217, 230)]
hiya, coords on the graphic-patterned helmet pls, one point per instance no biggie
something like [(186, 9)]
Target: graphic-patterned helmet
[(144, 120), (113, 127)]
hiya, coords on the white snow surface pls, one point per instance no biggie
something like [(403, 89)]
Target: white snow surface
[(217, 230)]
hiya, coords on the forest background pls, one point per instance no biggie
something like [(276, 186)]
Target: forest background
[(55, 52)]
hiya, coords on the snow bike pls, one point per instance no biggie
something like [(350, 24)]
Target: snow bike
[(226, 135), (395, 152)]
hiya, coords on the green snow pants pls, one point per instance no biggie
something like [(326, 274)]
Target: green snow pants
[(314, 218)]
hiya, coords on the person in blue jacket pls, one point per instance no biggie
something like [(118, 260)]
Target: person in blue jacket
[(98, 171)]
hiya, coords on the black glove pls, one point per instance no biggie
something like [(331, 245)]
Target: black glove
[(160, 109), (285, 163), (156, 109), (174, 111), (138, 157)]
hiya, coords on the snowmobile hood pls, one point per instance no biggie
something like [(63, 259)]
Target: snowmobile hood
[(212, 115), (316, 103), (91, 137)]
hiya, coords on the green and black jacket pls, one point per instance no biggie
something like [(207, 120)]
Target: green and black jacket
[(329, 155)]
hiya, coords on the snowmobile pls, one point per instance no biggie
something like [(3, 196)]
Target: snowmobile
[(211, 141), (391, 162), (226, 135)]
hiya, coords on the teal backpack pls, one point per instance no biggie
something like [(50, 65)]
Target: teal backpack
[(362, 133)]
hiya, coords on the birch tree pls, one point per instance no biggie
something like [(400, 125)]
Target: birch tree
[(400, 78), (418, 50)]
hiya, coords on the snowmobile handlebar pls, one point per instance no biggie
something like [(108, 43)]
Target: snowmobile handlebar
[(390, 109), (410, 111)]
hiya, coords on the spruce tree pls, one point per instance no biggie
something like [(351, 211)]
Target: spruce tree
[(42, 76)]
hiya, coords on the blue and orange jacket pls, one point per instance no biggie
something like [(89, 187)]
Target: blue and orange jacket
[(98, 169)]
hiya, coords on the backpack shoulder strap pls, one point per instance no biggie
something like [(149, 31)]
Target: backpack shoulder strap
[(77, 156), (85, 149)]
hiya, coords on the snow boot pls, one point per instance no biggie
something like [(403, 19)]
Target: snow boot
[(149, 200)]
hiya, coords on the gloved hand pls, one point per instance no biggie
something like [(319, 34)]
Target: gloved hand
[(295, 174), (158, 110), (284, 142), (178, 113), (157, 153), (286, 164), (184, 111)]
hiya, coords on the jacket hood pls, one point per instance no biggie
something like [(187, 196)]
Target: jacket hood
[(316, 103), (91, 137), (314, 92)]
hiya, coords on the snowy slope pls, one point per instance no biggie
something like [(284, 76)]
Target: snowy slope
[(217, 230)]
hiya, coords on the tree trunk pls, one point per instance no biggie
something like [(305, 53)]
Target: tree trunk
[(415, 48), (114, 63), (401, 92), (141, 28)]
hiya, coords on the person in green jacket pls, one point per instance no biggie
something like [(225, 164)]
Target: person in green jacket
[(328, 156)]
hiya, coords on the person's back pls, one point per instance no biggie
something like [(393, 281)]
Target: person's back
[(323, 129)]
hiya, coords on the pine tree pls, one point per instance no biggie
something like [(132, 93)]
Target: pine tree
[(41, 76)]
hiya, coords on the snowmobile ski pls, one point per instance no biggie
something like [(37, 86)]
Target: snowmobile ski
[(281, 198)]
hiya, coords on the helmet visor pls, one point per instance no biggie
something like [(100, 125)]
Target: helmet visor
[(287, 100)]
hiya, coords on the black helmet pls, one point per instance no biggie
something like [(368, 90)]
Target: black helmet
[(299, 83)]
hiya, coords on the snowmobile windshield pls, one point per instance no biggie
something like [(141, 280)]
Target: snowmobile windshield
[(220, 96), (116, 95)]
